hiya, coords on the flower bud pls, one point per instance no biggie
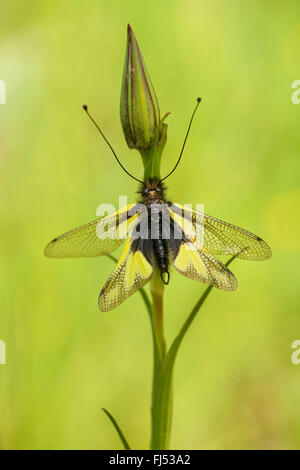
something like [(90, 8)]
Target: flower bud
[(139, 110)]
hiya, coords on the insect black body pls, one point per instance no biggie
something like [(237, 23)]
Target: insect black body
[(152, 192), (160, 250)]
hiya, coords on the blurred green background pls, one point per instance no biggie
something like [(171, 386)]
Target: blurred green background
[(235, 384)]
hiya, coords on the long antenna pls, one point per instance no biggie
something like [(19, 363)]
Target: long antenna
[(184, 142), (115, 155)]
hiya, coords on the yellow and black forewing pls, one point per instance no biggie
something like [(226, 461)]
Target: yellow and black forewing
[(218, 237), (133, 270), (196, 263), (97, 238)]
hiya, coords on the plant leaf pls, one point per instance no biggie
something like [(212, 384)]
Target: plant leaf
[(117, 428)]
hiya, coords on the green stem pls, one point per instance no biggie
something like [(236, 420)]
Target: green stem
[(160, 420), (152, 157), (160, 415), (157, 292)]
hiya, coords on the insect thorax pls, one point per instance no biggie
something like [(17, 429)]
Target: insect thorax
[(152, 192)]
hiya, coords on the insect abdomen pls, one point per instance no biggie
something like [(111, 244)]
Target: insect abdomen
[(159, 243), (162, 259)]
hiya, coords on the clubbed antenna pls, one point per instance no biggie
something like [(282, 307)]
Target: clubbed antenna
[(114, 153), (184, 142)]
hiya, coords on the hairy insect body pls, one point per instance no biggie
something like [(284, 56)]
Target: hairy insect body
[(158, 225)]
